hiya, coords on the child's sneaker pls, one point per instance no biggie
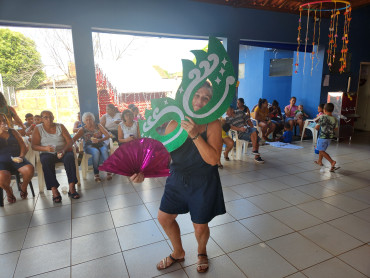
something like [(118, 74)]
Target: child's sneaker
[(255, 153), (259, 160)]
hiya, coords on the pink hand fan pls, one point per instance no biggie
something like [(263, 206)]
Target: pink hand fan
[(144, 155)]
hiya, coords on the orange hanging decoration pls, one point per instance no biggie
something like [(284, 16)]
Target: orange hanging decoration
[(317, 6)]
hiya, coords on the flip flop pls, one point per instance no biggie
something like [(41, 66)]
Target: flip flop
[(200, 265), (333, 168), (165, 260), (74, 195), (318, 163)]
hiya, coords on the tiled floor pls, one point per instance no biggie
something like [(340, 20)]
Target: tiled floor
[(286, 218)]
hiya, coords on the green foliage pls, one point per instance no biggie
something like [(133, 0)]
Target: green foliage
[(20, 62)]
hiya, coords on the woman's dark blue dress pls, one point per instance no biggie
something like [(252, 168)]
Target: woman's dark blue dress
[(193, 186)]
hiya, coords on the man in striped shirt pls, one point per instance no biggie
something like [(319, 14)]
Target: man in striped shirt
[(240, 122)]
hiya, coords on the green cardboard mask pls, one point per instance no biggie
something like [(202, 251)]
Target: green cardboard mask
[(214, 66)]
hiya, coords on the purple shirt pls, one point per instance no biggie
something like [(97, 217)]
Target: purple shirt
[(292, 112)]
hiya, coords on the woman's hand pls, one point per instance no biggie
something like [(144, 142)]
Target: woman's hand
[(50, 148), (190, 127), (17, 159), (60, 154), (94, 140), (137, 178)]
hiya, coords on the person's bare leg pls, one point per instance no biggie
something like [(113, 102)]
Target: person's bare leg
[(254, 139), (291, 122), (271, 129), (202, 236), (321, 155), (263, 127), (5, 179), (300, 123), (172, 230), (27, 172), (229, 145), (328, 158)]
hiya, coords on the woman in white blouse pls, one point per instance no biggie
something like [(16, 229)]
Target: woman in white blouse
[(128, 129), (111, 120)]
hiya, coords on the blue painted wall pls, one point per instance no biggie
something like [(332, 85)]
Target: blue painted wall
[(306, 87), (257, 83), (250, 87), (278, 87)]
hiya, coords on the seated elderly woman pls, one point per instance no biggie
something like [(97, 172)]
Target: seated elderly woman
[(12, 152), (54, 143), (92, 134), (128, 129)]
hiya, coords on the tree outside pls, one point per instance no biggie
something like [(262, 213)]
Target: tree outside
[(20, 62)]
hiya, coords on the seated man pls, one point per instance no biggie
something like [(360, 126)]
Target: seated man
[(239, 121)]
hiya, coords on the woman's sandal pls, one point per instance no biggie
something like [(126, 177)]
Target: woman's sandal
[(11, 197), (109, 176), (24, 194), (165, 260), (74, 195), (320, 164), (200, 266), (97, 178), (57, 199)]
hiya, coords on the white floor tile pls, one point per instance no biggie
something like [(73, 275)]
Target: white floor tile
[(295, 218), (331, 239), (242, 209), (139, 234), (299, 251), (353, 226), (266, 227), (12, 241), (57, 255), (91, 224), (112, 266), (358, 259), (94, 246), (260, 261), (332, 268), (48, 233), (322, 210), (233, 236)]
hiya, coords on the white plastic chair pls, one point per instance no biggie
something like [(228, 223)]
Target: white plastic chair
[(112, 147), (239, 146), (84, 161), (313, 130), (40, 172)]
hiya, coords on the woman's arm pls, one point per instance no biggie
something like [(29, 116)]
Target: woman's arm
[(22, 145), (16, 118), (67, 138), (78, 135), (210, 151), (36, 142), (105, 132), (287, 111), (138, 131), (103, 121), (75, 127)]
